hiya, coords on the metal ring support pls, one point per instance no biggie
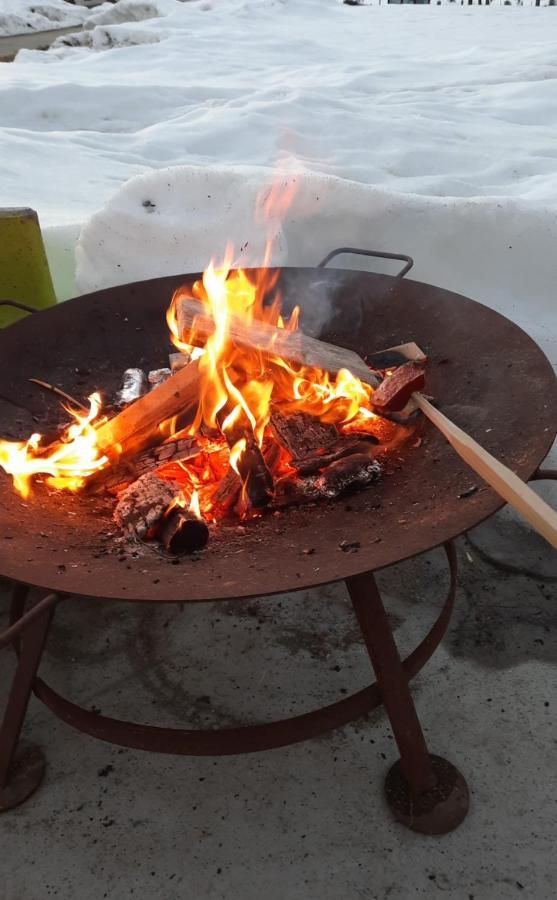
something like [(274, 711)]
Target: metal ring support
[(249, 738)]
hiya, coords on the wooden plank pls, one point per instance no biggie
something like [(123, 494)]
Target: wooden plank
[(295, 347), (137, 426)]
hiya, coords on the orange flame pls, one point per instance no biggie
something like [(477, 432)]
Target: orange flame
[(68, 462), (194, 504)]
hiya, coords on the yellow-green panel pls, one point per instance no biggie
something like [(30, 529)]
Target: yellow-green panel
[(24, 272)]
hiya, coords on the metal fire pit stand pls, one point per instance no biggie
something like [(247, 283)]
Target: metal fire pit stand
[(424, 792)]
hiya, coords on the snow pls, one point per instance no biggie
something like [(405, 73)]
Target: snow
[(426, 130), (437, 101), (23, 16)]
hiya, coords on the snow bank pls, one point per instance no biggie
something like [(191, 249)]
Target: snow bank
[(173, 221)]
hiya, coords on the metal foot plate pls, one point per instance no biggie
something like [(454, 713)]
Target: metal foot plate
[(437, 811), (25, 775)]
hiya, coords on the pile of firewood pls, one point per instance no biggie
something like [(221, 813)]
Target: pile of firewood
[(320, 461)]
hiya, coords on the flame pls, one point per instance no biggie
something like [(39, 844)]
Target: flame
[(67, 462), (194, 504)]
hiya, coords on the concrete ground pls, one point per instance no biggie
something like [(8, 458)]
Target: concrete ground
[(305, 822)]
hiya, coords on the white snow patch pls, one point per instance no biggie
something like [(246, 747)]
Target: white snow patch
[(437, 101), (129, 11), (24, 16), (107, 38)]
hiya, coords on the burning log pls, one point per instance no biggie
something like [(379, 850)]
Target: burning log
[(256, 479), (177, 361), (137, 426), (247, 459), (228, 491), (126, 470), (196, 326), (182, 531)]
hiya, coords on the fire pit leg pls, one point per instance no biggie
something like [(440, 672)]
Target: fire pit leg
[(22, 771), (424, 792)]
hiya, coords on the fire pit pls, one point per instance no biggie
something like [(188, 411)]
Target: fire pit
[(485, 372)]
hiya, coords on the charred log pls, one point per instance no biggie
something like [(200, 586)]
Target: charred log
[(157, 376), (348, 474), (310, 465), (182, 532), (142, 505), (256, 479), (302, 434), (228, 491)]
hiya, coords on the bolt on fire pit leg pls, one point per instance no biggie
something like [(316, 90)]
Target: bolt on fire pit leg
[(21, 771), (424, 792)]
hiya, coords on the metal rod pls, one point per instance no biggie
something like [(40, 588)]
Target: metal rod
[(377, 254), (393, 682), (22, 623), (32, 642)]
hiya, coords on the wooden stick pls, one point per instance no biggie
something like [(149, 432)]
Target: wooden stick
[(295, 346), (59, 393), (508, 485)]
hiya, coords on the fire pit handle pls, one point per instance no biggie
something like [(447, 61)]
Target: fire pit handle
[(376, 253), (544, 475), (17, 305)]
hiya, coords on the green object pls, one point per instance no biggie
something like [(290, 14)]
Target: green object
[(24, 272)]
